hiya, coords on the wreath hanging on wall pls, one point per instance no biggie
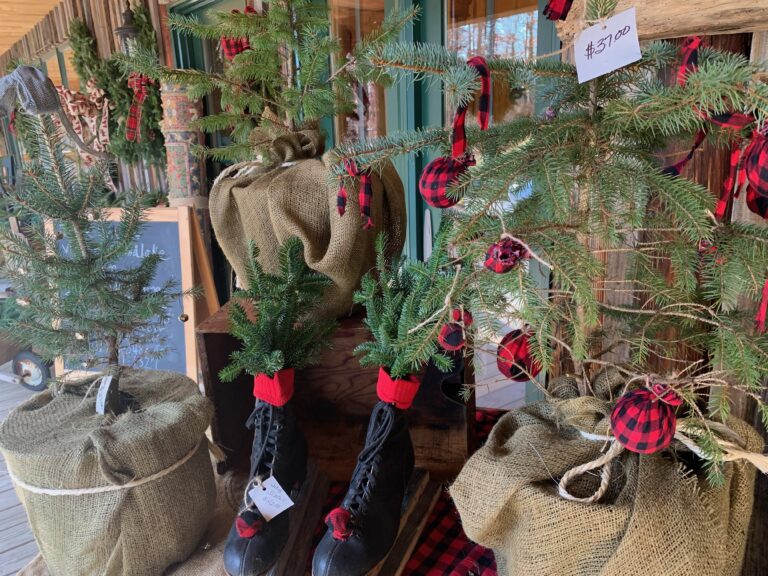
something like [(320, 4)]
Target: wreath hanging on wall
[(149, 146)]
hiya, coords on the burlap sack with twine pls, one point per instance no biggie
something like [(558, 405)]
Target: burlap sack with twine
[(146, 475), (268, 202), (653, 518)]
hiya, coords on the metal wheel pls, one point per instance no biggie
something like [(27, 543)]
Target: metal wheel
[(34, 373)]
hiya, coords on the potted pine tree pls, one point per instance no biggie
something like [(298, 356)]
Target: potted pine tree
[(113, 468), (275, 319)]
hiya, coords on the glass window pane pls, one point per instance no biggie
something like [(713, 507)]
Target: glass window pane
[(502, 28), (352, 20)]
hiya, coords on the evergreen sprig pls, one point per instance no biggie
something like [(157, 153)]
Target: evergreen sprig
[(273, 318)]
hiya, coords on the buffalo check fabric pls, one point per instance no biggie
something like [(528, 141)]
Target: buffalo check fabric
[(504, 255), (557, 9), (443, 549), (364, 197), (444, 171), (231, 47), (644, 421)]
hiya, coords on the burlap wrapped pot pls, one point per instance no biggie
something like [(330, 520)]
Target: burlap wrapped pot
[(268, 202), (652, 520), (114, 496)]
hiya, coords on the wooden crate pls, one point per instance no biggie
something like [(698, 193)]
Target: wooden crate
[(334, 401)]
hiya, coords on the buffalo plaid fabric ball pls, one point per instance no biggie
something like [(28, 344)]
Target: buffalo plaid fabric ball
[(557, 9), (438, 175), (452, 336), (644, 420), (504, 255), (444, 171), (756, 164), (514, 358)]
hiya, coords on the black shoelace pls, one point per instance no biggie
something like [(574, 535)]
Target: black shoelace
[(364, 477), (266, 421)]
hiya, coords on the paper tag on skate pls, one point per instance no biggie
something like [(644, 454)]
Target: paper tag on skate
[(607, 46), (270, 498)]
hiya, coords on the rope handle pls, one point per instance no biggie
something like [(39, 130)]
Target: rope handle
[(603, 462)]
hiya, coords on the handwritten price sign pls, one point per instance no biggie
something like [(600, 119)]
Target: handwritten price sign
[(607, 46)]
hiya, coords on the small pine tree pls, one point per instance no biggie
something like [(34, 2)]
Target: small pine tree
[(587, 185), (76, 301), (282, 82), (401, 298), (282, 332)]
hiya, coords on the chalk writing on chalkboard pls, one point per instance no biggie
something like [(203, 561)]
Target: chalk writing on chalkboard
[(166, 350)]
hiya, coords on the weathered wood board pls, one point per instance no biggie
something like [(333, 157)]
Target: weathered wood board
[(674, 18)]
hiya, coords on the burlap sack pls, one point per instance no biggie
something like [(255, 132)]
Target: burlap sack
[(297, 197), (653, 520), (56, 442)]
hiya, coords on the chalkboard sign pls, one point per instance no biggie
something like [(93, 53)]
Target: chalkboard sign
[(174, 234)]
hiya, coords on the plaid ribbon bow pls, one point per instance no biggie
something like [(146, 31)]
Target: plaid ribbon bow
[(442, 171), (459, 139), (364, 196), (231, 47), (139, 84), (557, 9)]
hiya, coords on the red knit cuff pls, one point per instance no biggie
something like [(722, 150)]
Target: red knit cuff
[(275, 390), (399, 392)]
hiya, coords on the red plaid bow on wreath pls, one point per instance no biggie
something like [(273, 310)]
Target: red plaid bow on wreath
[(443, 171), (231, 47), (139, 84), (363, 197)]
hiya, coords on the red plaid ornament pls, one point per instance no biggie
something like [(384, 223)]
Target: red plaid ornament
[(364, 196), (139, 84), (514, 358), (231, 47), (444, 171), (452, 336), (557, 9), (504, 255), (644, 420)]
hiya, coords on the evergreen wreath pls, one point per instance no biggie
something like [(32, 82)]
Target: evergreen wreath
[(110, 78)]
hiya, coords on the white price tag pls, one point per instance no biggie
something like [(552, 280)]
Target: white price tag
[(104, 395), (270, 498), (607, 46)]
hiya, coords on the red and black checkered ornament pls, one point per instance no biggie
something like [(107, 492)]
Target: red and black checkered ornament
[(453, 335), (444, 171), (644, 420), (557, 9), (231, 47), (514, 357), (504, 255)]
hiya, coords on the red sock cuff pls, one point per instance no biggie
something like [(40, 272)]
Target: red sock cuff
[(275, 390), (400, 392)]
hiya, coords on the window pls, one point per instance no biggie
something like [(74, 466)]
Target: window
[(352, 20), (502, 28)]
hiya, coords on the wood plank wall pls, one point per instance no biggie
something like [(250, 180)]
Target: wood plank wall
[(102, 17)]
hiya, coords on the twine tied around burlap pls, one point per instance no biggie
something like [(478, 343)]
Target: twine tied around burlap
[(290, 190), (655, 508), (135, 490)]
